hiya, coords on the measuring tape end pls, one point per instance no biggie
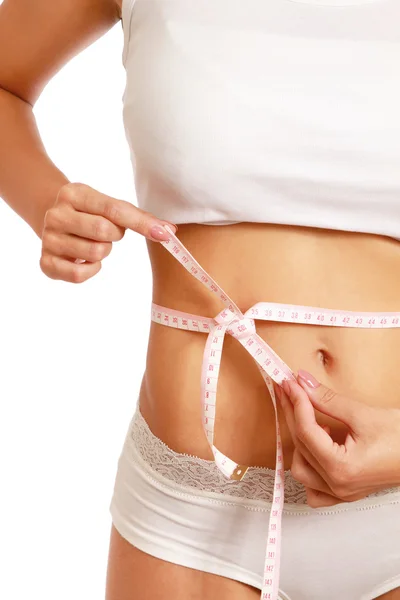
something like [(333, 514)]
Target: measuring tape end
[(239, 473)]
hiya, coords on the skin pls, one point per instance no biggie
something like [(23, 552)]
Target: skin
[(332, 472), (317, 267)]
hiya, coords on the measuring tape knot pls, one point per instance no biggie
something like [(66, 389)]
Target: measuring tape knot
[(226, 317), (238, 326), (242, 328)]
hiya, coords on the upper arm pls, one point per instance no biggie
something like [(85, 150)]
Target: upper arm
[(38, 37)]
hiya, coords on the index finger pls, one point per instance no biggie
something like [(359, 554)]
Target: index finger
[(288, 410), (121, 213), (314, 437)]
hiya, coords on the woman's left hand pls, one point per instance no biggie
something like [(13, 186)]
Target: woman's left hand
[(367, 461)]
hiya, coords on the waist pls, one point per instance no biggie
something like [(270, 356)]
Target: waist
[(256, 263)]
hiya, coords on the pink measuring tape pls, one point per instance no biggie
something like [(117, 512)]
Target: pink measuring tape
[(242, 327)]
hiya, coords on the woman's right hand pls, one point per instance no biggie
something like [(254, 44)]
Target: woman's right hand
[(82, 225)]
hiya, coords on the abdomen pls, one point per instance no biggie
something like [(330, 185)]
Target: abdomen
[(259, 262)]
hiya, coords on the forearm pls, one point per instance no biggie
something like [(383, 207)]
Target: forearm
[(29, 180)]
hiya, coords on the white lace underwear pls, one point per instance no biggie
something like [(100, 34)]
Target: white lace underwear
[(201, 474), (180, 509)]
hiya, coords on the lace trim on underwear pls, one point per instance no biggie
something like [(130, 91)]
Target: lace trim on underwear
[(204, 475)]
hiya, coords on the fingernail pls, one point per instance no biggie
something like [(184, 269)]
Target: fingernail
[(308, 379), (159, 233), (278, 391), (286, 387), (173, 227)]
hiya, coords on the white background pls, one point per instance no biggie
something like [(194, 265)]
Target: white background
[(71, 355)]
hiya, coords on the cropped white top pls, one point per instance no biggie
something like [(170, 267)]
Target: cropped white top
[(274, 111)]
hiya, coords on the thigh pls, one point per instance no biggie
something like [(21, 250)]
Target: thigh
[(135, 575)]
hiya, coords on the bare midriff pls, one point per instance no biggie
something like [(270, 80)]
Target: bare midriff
[(271, 263)]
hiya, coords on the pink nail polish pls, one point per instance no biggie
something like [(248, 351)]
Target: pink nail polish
[(171, 226), (159, 233), (308, 379)]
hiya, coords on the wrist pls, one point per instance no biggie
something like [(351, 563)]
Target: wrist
[(397, 443), (388, 455)]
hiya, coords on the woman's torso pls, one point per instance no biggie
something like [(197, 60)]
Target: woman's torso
[(284, 113), (260, 262)]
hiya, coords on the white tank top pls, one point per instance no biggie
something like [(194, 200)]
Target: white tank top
[(274, 111)]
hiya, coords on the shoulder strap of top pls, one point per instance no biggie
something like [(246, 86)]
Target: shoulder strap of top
[(126, 18)]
